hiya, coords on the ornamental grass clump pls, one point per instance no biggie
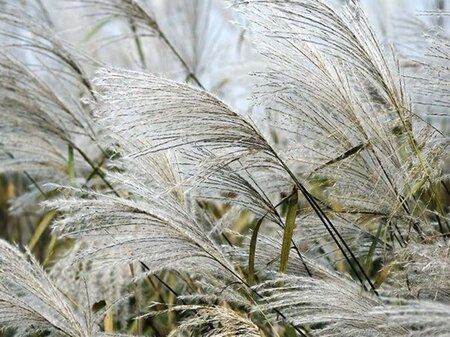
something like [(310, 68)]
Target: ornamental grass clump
[(170, 173)]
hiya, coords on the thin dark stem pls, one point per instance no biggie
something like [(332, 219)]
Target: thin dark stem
[(334, 233), (180, 58), (152, 23), (33, 181), (97, 169), (45, 13), (163, 282)]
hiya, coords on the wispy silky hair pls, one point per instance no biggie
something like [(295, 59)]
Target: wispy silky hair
[(329, 83), (36, 42), (141, 229), (217, 321), (330, 307), (32, 110), (111, 284), (165, 119), (316, 208), (423, 270), (30, 301), (419, 318), (226, 149)]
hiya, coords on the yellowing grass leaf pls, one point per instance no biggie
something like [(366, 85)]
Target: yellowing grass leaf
[(45, 222), (108, 322), (242, 222), (10, 190), (50, 250), (382, 276)]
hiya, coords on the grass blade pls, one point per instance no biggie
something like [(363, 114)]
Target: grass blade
[(252, 253), (371, 252), (109, 322), (40, 229), (288, 231)]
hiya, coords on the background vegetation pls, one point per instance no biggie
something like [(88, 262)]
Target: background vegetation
[(224, 168)]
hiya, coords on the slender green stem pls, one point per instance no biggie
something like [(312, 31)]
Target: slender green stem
[(138, 43)]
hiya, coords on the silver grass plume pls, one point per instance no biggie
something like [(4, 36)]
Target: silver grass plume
[(222, 147), (213, 49), (140, 13), (153, 217), (355, 231), (421, 270), (31, 109), (152, 226), (316, 250), (187, 40), (218, 321), (111, 284), (427, 74), (331, 307), (48, 55), (335, 306), (30, 301), (141, 21), (42, 82), (420, 318), (43, 121), (181, 118), (165, 120), (358, 131)]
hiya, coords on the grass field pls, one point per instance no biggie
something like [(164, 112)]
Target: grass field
[(224, 168)]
